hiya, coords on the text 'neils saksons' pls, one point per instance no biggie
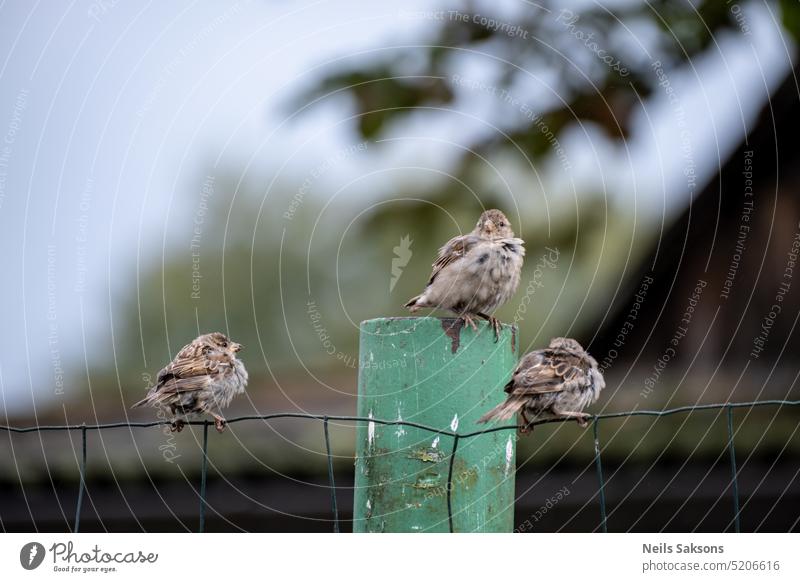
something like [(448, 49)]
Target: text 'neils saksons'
[(664, 548)]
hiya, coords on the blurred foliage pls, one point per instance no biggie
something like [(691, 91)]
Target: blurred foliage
[(554, 48), (409, 84), (278, 285), (790, 13), (294, 290), (371, 90), (260, 271)]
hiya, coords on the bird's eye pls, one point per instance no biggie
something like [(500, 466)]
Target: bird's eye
[(224, 344), (502, 223)]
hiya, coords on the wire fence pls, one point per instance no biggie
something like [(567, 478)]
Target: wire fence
[(456, 436)]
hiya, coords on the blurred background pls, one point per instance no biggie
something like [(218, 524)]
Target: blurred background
[(282, 172)]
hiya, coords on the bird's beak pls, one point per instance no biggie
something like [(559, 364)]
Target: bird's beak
[(236, 347)]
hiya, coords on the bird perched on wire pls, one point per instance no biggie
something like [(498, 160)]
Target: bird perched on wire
[(556, 382), (203, 378), (475, 273)]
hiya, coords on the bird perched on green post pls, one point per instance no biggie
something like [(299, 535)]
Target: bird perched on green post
[(475, 273), (203, 378), (556, 382)]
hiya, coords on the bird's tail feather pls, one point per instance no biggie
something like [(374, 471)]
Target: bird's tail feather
[(412, 303), (503, 411), (146, 400)]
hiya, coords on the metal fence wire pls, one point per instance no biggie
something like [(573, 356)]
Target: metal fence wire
[(456, 436)]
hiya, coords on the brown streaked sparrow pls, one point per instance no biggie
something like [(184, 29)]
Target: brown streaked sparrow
[(475, 273), (203, 378), (556, 382)]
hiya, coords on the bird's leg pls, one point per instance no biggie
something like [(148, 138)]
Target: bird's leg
[(495, 323), (497, 327), (527, 428), (219, 422), (469, 320), (177, 425), (580, 417)]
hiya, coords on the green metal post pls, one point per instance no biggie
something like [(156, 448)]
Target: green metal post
[(441, 374)]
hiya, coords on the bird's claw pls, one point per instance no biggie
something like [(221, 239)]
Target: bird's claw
[(470, 321), (219, 424), (495, 324), (583, 420), (527, 425), (177, 426)]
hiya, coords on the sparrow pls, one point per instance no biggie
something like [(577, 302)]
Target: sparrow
[(556, 382), (475, 273), (203, 378)]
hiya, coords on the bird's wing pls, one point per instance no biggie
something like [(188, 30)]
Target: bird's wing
[(194, 368), (544, 372), (516, 245), (453, 250)]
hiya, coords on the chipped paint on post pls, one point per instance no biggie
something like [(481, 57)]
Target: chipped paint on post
[(371, 431), (427, 456), (452, 329), (401, 431), (509, 455), (446, 376)]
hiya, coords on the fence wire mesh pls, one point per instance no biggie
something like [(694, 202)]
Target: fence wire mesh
[(729, 407)]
